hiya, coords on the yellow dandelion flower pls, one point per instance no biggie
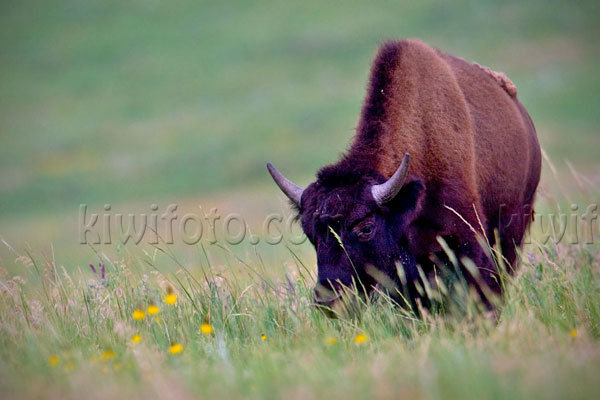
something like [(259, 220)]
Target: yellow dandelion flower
[(331, 340), (152, 309), (361, 338), (175, 348), (138, 315), (263, 337), (53, 360), (107, 355), (70, 366), (206, 328), (171, 299), (136, 338), (574, 333), (117, 367)]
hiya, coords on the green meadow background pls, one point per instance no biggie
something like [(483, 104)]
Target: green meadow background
[(133, 103)]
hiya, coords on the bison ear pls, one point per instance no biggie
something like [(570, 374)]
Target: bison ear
[(409, 198)]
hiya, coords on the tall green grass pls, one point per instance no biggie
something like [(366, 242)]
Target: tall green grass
[(70, 335)]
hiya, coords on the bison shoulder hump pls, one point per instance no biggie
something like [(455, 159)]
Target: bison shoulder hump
[(500, 77)]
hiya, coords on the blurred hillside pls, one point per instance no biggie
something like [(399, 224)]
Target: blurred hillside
[(123, 101)]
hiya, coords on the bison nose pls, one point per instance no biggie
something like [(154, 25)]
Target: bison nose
[(326, 302), (325, 294)]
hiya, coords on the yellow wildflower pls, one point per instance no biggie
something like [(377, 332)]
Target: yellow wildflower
[(263, 337), (361, 338), (107, 355), (206, 328), (175, 348), (138, 315), (69, 367), (574, 333), (171, 298), (152, 309), (53, 360), (330, 340), (136, 338), (117, 367)]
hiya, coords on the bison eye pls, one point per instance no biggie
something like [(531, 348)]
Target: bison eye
[(364, 230)]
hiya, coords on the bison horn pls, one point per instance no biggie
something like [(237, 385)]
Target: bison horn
[(389, 189), (289, 188)]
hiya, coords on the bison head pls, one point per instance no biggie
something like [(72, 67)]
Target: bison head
[(358, 223)]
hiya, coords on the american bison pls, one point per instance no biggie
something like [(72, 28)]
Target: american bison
[(443, 150)]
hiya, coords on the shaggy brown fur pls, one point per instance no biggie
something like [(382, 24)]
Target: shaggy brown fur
[(471, 143)]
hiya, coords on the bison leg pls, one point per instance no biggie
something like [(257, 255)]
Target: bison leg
[(513, 225), (467, 244)]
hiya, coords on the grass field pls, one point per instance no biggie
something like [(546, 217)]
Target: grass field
[(241, 331), (134, 103)]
